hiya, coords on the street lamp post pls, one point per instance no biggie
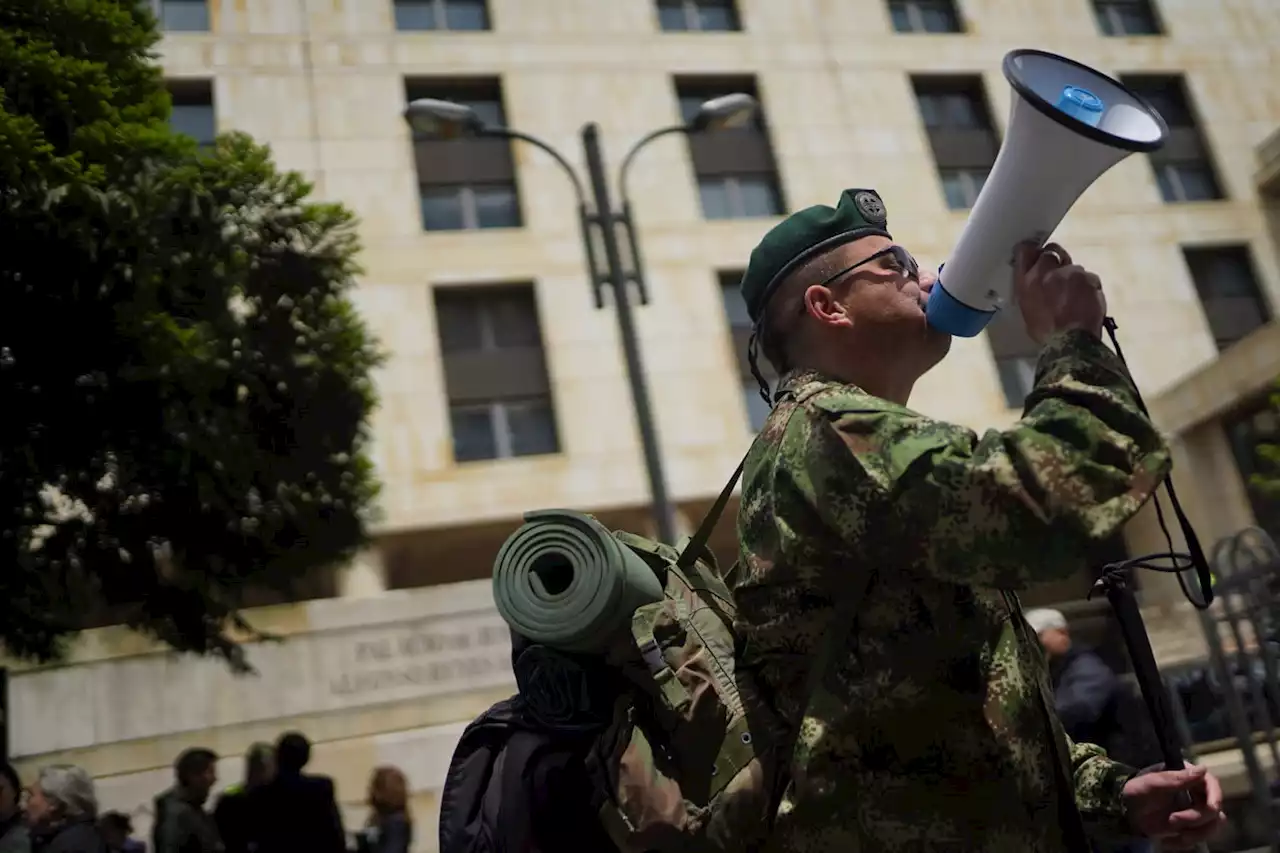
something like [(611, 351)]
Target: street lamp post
[(445, 119)]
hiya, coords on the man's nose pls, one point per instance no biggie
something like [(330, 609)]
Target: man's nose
[(927, 280)]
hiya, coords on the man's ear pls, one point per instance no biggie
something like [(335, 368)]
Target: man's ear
[(821, 304)]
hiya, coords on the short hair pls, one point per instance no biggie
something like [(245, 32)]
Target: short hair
[(70, 789), (257, 757), (192, 762), (293, 751), (782, 312), (388, 790), (117, 820), (7, 770)]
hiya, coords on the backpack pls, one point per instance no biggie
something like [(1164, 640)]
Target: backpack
[(692, 758), (682, 756), (515, 786)]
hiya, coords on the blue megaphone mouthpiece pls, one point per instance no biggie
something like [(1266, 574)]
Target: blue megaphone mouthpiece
[(1081, 104)]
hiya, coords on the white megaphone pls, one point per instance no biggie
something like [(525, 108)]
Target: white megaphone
[(1068, 125)]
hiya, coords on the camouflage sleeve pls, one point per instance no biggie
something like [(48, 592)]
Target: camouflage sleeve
[(1098, 783), (1005, 510)]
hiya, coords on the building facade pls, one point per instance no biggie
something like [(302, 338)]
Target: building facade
[(506, 389)]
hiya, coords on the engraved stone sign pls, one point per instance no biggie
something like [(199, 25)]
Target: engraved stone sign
[(444, 654)]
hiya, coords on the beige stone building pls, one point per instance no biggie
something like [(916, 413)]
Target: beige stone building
[(506, 389)]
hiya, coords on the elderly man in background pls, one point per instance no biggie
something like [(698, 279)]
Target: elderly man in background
[(1094, 705), (62, 812)]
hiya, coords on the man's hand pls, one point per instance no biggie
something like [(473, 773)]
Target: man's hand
[(1158, 807), (1056, 295)]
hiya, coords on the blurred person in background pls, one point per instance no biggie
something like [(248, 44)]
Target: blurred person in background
[(1094, 705), (182, 825), (13, 832), (389, 828), (62, 812), (117, 833), (299, 811), (235, 814)]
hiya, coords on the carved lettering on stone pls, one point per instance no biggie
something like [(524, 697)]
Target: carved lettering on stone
[(429, 656)]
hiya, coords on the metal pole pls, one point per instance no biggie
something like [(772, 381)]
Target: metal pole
[(1120, 594), (663, 511)]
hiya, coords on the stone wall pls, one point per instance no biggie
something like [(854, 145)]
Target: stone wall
[(387, 680)]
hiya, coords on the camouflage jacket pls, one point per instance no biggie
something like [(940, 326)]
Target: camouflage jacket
[(929, 730)]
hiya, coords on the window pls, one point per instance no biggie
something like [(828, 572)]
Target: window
[(1183, 167), (698, 15), (1015, 354), (924, 16), (193, 112), (734, 168), (735, 311), (1257, 425), (961, 134), (1228, 290), (1126, 17), (459, 15), (466, 183), (190, 16), (495, 373)]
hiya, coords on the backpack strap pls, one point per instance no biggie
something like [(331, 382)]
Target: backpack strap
[(692, 549)]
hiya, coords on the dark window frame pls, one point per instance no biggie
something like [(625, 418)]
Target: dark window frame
[(465, 165), (1187, 152), (161, 9), (440, 16), (739, 323), (1198, 260), (691, 10), (492, 376), (726, 158), (194, 93), (1110, 23), (917, 22), (961, 149)]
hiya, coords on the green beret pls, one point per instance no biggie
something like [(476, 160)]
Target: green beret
[(805, 235)]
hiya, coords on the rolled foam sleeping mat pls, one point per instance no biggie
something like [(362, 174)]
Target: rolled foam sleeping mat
[(564, 581)]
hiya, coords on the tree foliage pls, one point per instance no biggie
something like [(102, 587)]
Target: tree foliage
[(184, 384), (1265, 480)]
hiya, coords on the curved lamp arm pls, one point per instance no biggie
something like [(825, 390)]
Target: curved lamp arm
[(509, 133), (625, 167)]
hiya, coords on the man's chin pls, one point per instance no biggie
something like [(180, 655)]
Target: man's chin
[(938, 343)]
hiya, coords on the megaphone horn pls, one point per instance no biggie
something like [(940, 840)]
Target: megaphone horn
[(1069, 124)]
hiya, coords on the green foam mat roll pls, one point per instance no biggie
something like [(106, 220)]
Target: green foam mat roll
[(564, 581)]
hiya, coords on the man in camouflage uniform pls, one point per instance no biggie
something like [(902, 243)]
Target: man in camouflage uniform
[(881, 551)]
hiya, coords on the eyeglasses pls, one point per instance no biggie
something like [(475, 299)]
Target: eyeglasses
[(896, 258)]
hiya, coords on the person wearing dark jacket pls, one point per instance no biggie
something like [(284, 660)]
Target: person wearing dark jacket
[(62, 811), (238, 822), (13, 831), (181, 823), (300, 811), (1091, 701), (117, 832), (390, 828)]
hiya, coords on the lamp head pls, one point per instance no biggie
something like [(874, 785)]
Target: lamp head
[(727, 112), (437, 119)]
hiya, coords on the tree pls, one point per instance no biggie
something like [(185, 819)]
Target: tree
[(184, 383), (1265, 480)]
